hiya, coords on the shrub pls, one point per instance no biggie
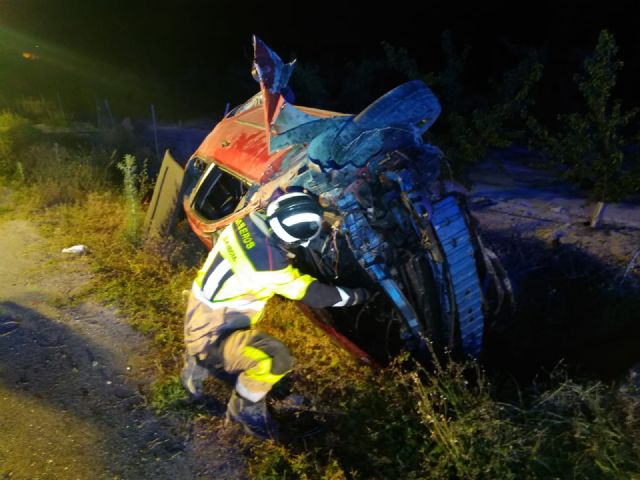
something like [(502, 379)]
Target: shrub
[(134, 188), (168, 394), (590, 145), (64, 175), (468, 129), (16, 134), (40, 110), (584, 429)]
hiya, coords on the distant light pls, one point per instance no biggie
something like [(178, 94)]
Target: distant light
[(30, 56)]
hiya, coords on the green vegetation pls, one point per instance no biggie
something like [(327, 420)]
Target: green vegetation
[(61, 172), (445, 423), (400, 422), (16, 134), (42, 111), (467, 133), (470, 125), (590, 146), (168, 394), (38, 110), (133, 190)]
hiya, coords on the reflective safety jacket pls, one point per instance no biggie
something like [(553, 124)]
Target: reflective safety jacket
[(246, 267)]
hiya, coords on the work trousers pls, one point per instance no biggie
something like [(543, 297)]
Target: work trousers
[(258, 359)]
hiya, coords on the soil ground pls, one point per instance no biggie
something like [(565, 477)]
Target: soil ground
[(71, 377), (577, 288)]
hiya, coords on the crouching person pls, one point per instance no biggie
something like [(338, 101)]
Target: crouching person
[(246, 267)]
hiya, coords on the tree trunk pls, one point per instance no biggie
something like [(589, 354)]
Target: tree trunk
[(597, 214)]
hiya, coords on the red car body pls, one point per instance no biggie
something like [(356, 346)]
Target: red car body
[(239, 145), (394, 229)]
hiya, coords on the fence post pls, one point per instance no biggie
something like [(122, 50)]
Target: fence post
[(108, 108), (155, 130), (64, 117)]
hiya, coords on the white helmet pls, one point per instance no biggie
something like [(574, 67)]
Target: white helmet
[(295, 218)]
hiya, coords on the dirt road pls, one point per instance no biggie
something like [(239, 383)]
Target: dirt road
[(69, 401), (70, 378)]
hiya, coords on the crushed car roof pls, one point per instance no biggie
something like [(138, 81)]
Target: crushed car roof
[(239, 143)]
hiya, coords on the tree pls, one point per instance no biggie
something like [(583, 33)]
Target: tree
[(469, 127), (589, 146)]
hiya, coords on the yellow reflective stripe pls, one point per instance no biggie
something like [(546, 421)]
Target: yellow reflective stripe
[(255, 318), (288, 282), (241, 302), (295, 286), (207, 265), (233, 289), (261, 372)]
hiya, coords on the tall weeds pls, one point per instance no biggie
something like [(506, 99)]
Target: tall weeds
[(406, 423), (132, 196), (16, 134)]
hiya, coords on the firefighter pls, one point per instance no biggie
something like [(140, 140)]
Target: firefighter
[(249, 263)]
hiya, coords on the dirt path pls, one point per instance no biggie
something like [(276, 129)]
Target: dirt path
[(576, 288), (532, 203), (69, 402), (70, 379)]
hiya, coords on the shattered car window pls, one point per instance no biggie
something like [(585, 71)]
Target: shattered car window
[(219, 194)]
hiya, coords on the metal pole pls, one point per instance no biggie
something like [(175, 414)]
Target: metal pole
[(64, 117), (106, 105), (155, 130)]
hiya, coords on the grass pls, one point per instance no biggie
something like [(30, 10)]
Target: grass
[(355, 423), (4, 210), (41, 110), (168, 394), (145, 282)]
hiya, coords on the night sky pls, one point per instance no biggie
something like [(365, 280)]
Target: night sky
[(190, 58)]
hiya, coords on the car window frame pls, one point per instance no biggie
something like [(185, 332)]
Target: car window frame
[(212, 169)]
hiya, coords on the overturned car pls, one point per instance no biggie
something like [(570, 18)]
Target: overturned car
[(390, 226)]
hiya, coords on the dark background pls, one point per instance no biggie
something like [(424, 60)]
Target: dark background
[(190, 58)]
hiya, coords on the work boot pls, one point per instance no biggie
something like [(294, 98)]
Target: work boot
[(253, 416), (193, 376)]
